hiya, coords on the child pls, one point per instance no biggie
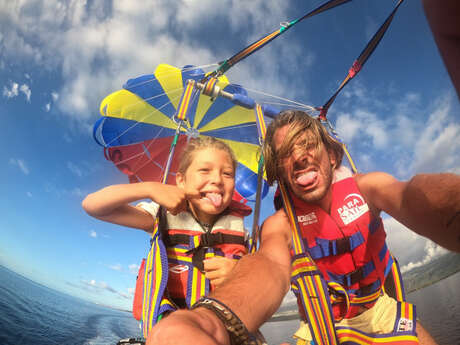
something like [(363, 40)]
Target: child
[(198, 218)]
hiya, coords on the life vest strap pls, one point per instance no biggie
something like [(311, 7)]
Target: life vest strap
[(205, 240), (338, 246), (200, 244)]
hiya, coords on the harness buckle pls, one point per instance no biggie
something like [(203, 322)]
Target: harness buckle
[(205, 240), (356, 276), (342, 245)]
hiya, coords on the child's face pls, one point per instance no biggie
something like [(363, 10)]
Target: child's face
[(210, 174)]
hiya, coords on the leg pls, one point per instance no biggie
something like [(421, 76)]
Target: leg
[(423, 336)]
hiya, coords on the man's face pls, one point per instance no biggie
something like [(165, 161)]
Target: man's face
[(306, 169)]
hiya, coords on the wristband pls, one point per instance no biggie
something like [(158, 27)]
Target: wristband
[(237, 331)]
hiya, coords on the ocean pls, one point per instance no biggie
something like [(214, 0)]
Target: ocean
[(32, 314)]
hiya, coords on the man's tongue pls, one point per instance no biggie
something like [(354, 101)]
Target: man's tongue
[(215, 198), (307, 178)]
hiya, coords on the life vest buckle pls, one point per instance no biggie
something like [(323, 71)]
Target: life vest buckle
[(342, 246), (209, 240)]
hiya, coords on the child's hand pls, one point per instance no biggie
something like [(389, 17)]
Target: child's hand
[(173, 198), (218, 268)]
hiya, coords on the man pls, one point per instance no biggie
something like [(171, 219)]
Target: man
[(443, 20), (299, 152)]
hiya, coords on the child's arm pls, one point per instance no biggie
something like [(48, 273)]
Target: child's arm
[(111, 204)]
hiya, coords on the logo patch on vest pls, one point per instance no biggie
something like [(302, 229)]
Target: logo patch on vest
[(404, 325), (178, 269), (306, 219), (353, 208)]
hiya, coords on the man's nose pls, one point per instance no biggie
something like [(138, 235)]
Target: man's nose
[(300, 156)]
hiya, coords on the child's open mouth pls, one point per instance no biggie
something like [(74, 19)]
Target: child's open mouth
[(215, 198)]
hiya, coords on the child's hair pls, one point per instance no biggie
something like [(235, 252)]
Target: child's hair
[(201, 143)]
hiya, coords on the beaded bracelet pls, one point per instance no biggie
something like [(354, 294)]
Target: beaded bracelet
[(237, 331)]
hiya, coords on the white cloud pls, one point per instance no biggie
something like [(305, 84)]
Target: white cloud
[(432, 251), (63, 192), (116, 267), (21, 164), (11, 92), (438, 147), (25, 89), (410, 249), (93, 234), (29, 194), (47, 107), (99, 287), (74, 169), (76, 37), (54, 96), (77, 192), (348, 125), (133, 268)]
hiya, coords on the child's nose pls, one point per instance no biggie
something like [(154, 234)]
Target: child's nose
[(216, 177)]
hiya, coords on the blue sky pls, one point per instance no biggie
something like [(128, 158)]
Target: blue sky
[(59, 59)]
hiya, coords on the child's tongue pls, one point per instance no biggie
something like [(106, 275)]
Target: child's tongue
[(215, 198), (307, 178)]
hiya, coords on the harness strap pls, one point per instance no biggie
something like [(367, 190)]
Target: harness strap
[(205, 240), (253, 47), (309, 283), (155, 280), (200, 244), (361, 60)]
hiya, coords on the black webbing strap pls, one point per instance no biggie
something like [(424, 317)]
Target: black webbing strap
[(207, 240)]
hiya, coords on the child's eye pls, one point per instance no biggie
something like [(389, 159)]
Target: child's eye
[(228, 173)]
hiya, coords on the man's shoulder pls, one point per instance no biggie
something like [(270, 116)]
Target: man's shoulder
[(277, 216), (277, 220), (372, 180)]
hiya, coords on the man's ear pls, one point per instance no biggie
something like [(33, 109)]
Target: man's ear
[(332, 159), (180, 180)]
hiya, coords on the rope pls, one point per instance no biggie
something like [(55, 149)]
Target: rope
[(284, 26)]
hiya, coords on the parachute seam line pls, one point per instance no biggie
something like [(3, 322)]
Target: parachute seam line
[(281, 98), (139, 122), (184, 124), (172, 73)]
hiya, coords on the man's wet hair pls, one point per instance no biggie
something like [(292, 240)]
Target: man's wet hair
[(299, 123)]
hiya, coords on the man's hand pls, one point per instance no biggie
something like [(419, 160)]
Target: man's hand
[(189, 327)]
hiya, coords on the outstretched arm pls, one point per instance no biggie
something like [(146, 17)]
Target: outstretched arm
[(254, 291), (428, 204), (111, 204), (259, 282)]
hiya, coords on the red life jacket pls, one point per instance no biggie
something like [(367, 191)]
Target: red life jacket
[(188, 244), (348, 245)]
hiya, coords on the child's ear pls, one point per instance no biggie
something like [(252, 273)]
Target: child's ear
[(180, 180)]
